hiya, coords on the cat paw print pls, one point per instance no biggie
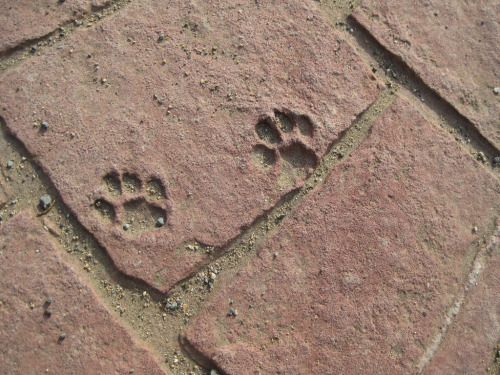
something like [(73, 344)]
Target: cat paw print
[(283, 146), (129, 203)]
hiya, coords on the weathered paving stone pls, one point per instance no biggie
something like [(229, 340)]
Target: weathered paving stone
[(366, 267), (51, 322), (471, 341), (452, 46), (203, 114), (25, 20)]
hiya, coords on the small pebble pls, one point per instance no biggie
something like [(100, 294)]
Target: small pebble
[(496, 90), (161, 37), (45, 125), (126, 227), (48, 300), (62, 336), (482, 157), (48, 312), (160, 222), (171, 306), (232, 312), (45, 201), (10, 164)]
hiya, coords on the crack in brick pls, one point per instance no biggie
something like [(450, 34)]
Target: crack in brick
[(476, 269)]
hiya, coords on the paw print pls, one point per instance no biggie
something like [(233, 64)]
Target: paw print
[(283, 146), (134, 206)]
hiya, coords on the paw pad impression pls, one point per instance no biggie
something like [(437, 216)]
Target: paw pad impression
[(283, 143), (136, 207)]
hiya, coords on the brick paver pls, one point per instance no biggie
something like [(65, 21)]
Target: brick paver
[(185, 100), (43, 298), (451, 46), (360, 279)]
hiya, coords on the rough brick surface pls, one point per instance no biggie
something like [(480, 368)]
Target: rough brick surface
[(25, 20), (30, 272), (452, 45), (359, 279), (173, 95)]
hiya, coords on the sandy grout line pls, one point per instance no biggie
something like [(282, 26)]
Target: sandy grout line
[(263, 226), (246, 246), (32, 47), (133, 303), (479, 264), (402, 79)]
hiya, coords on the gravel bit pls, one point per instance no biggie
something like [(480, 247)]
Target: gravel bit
[(481, 157), (10, 164), (62, 336), (171, 306), (45, 201), (45, 125), (160, 222), (232, 312), (126, 227)]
